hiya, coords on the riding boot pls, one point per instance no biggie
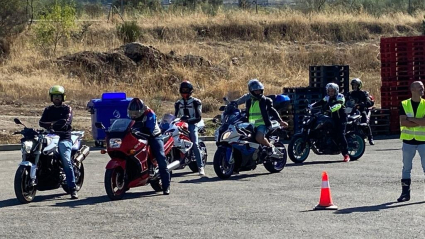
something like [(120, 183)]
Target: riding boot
[(405, 193)]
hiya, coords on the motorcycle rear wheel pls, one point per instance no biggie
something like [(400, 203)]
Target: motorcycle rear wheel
[(356, 146), (23, 191), (194, 165), (78, 180), (275, 166), (114, 183), (298, 149)]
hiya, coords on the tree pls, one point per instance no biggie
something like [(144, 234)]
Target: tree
[(56, 25)]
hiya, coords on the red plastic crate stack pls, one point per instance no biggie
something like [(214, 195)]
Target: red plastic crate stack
[(402, 62)]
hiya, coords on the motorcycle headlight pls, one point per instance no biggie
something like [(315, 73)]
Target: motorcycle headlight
[(226, 135), (27, 146), (115, 143)]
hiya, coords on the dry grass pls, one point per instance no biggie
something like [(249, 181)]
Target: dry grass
[(275, 47)]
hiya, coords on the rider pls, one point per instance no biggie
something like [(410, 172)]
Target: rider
[(58, 118), (191, 108), (362, 101), (145, 123), (259, 108), (333, 103)]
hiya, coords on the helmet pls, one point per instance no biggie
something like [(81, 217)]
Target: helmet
[(57, 90), (332, 86), (254, 85), (357, 81), (135, 108), (186, 87)]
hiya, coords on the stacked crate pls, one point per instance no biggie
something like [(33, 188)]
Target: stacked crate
[(402, 62), (301, 97), (320, 76), (380, 121)]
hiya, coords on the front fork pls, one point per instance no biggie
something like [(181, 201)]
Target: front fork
[(33, 171)]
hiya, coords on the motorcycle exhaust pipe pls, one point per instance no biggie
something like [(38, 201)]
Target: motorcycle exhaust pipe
[(84, 151), (173, 165)]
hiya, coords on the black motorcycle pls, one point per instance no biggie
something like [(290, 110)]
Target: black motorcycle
[(317, 133), (352, 111), (41, 167)]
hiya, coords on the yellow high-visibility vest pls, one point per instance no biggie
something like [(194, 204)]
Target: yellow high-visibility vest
[(255, 116), (418, 132)]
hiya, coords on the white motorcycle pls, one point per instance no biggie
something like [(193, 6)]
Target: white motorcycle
[(182, 148), (41, 167)]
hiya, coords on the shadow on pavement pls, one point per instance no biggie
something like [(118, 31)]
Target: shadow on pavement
[(313, 163), (375, 208), (235, 177), (104, 198), (14, 202)]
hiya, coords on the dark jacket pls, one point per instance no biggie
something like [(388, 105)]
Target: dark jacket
[(55, 113), (360, 98), (267, 110), (335, 105)]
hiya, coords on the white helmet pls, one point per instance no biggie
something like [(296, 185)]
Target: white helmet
[(254, 85), (332, 86)]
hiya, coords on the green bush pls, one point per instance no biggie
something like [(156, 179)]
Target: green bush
[(55, 25), (129, 31)]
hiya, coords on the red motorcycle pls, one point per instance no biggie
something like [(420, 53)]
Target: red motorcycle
[(132, 163)]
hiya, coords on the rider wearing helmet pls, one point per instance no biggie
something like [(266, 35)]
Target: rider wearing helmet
[(191, 109), (333, 103), (362, 101), (58, 118), (145, 123), (259, 108)]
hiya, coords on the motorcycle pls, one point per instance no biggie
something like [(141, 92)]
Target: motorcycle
[(352, 111), (41, 167), (237, 149), (318, 135), (132, 163), (182, 149)]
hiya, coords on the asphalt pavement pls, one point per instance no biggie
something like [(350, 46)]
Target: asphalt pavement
[(253, 204)]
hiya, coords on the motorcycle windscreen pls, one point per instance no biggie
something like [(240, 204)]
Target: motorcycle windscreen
[(119, 125)]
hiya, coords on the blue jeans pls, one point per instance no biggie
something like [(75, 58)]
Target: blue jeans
[(409, 152), (157, 147), (193, 130), (65, 147)]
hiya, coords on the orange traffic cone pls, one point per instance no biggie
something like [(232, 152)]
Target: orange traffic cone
[(325, 202)]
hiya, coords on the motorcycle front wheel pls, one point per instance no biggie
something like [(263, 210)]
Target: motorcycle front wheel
[(356, 145), (298, 149), (223, 169), (277, 165), (24, 192), (114, 183)]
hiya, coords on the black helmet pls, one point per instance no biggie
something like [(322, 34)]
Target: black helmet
[(186, 87), (358, 82), (254, 85), (135, 108)]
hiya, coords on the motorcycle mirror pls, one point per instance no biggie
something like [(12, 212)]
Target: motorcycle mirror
[(99, 125), (222, 108), (17, 121)]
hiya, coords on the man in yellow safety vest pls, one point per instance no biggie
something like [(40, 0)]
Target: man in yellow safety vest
[(412, 128)]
